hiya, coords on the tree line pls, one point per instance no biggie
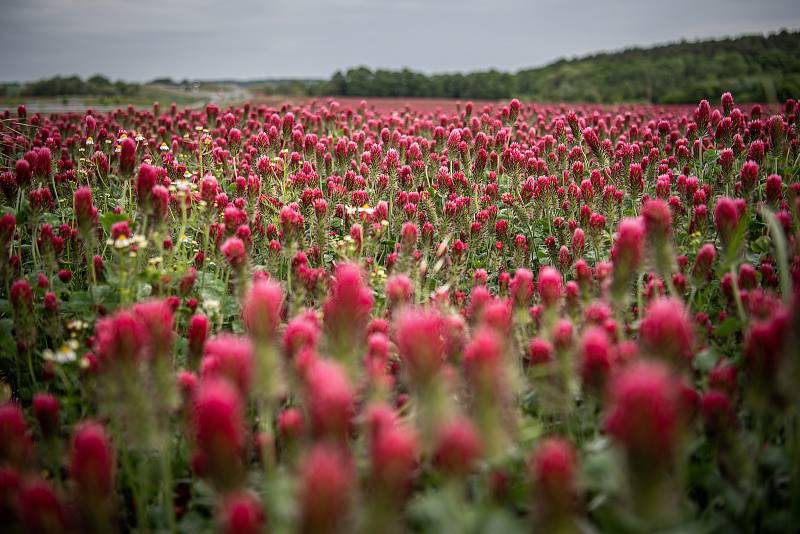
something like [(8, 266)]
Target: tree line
[(755, 68), (96, 85)]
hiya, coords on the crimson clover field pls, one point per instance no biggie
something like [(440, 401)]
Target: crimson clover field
[(336, 317)]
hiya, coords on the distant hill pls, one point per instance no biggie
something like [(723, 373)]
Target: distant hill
[(755, 68)]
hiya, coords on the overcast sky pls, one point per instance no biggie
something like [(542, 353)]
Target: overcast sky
[(210, 39)]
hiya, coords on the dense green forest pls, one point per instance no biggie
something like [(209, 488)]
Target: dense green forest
[(754, 68)]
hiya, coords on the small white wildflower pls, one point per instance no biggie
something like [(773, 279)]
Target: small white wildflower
[(65, 353), (367, 210), (211, 306), (76, 324)]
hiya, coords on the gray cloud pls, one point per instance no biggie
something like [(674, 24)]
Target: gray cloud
[(143, 39)]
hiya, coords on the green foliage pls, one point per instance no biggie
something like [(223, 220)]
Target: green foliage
[(754, 68), (96, 85)]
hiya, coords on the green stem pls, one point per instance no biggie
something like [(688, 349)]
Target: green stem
[(779, 242), (166, 486), (30, 368), (737, 297)]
